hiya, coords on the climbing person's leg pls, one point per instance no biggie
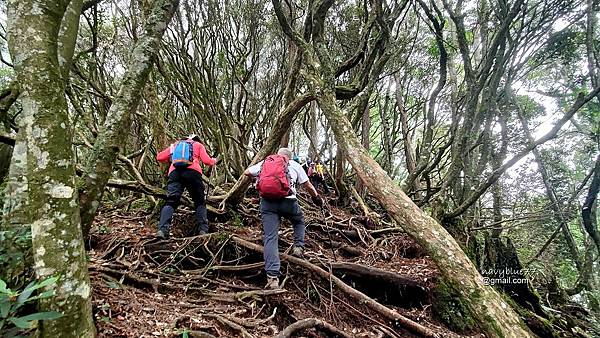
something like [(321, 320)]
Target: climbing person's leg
[(325, 187), (270, 218), (314, 180), (292, 211), (194, 184), (174, 191)]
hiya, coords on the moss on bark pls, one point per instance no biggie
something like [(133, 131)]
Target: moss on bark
[(451, 309), (51, 203)]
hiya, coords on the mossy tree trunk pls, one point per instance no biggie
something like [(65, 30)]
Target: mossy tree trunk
[(478, 301), (112, 134), (44, 151)]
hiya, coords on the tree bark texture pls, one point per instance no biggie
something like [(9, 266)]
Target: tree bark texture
[(52, 201), (106, 148), (481, 302)]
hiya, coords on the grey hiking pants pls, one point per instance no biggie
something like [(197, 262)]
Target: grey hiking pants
[(271, 211)]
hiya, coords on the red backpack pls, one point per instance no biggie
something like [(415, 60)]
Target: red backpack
[(273, 181)]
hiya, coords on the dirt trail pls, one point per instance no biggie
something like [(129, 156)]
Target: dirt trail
[(211, 286)]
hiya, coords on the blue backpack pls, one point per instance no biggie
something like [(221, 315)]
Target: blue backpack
[(183, 154)]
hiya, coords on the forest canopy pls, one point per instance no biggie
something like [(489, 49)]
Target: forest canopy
[(468, 129)]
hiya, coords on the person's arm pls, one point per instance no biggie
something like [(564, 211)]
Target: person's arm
[(254, 170), (203, 155), (305, 182), (165, 155), (311, 189)]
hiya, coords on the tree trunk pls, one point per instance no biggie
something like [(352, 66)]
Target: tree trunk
[(15, 227), (7, 97), (561, 219), (52, 201), (313, 131), (365, 141), (486, 306), (99, 167), (478, 301), (588, 211)]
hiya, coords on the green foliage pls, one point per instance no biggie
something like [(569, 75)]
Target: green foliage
[(563, 45), (143, 203), (15, 255), (12, 303), (185, 333), (433, 49), (236, 219)]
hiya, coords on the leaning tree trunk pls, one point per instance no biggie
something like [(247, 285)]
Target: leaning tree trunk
[(484, 304), (52, 199), (99, 167), (479, 301)]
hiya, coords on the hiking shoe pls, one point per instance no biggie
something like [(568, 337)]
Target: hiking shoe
[(272, 283), (160, 234), (298, 251), (200, 232)]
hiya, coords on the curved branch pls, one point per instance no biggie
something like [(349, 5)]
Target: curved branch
[(309, 323), (579, 102)]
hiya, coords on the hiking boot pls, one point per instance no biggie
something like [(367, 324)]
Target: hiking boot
[(160, 234), (200, 232), (298, 251), (272, 283)]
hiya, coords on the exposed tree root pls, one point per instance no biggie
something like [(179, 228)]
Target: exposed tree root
[(359, 296), (366, 271), (310, 323)]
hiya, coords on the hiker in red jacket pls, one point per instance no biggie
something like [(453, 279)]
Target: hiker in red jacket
[(277, 179), (185, 172)]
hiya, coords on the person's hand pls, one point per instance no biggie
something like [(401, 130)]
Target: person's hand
[(318, 201)]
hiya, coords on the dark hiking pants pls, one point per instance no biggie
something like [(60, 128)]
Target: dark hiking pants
[(191, 180), (271, 211)]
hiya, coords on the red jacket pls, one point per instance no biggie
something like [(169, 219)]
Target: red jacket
[(200, 154)]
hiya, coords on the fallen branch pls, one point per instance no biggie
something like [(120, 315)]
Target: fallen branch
[(237, 267), (200, 334), (239, 296), (232, 325), (357, 295), (310, 323)]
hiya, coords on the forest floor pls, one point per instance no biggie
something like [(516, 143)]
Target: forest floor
[(212, 285)]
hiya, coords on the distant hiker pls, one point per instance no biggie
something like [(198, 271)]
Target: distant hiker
[(305, 165), (185, 172), (277, 180), (316, 173)]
